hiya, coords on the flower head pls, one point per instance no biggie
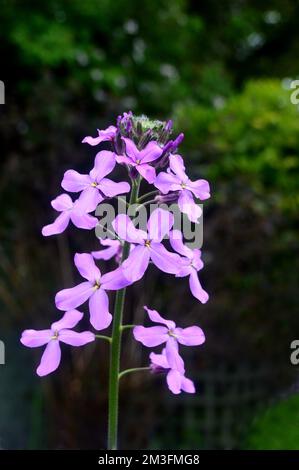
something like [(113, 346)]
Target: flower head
[(103, 135), (59, 331), (94, 187), (175, 179), (74, 211)]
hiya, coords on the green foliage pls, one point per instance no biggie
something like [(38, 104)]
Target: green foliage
[(277, 428)]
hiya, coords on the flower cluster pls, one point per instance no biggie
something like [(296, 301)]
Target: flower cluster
[(145, 148)]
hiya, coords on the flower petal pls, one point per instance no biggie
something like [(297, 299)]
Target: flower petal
[(172, 354), (86, 266), (74, 181), (200, 189), (76, 339), (58, 226), (50, 359), (152, 336), (159, 360), (165, 260), (166, 182), (115, 280), (131, 149), (107, 253), (103, 135), (151, 152), (147, 172), (187, 385), (196, 289), (88, 200), (136, 264), (68, 299), (159, 224), (124, 159), (84, 221), (176, 241), (156, 318), (103, 165), (126, 230), (100, 317), (188, 206), (111, 189), (174, 381), (176, 164), (62, 203), (191, 336), (69, 320), (35, 338)]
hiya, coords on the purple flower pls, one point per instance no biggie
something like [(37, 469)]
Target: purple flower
[(60, 331), (94, 289), (70, 210), (95, 186), (175, 179), (140, 159), (103, 135), (148, 244), (191, 262), (169, 334), (176, 380), (114, 249)]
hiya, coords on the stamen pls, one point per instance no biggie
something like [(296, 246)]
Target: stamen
[(148, 243), (55, 336)]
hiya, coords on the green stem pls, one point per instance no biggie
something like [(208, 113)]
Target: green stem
[(151, 193), (127, 327), (116, 345), (129, 371), (106, 338)]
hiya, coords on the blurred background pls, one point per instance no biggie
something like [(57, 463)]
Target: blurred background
[(222, 72)]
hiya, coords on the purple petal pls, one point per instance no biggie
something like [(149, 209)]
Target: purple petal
[(166, 182), (188, 206), (62, 203), (151, 152), (35, 338), (111, 189), (159, 224), (86, 266), (69, 320), (108, 253), (187, 385), (152, 336), (191, 336), (50, 359), (131, 149), (103, 165), (115, 280), (58, 226), (76, 339), (147, 172), (136, 264), (74, 181), (165, 260), (156, 318), (88, 200), (174, 381), (159, 360), (172, 354), (124, 159), (200, 188), (176, 241), (100, 318), (126, 230), (196, 289), (68, 299), (103, 135), (176, 164), (84, 221)]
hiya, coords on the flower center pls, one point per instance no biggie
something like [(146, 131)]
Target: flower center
[(94, 184), (171, 333), (138, 162), (148, 243), (97, 285), (55, 336), (183, 185)]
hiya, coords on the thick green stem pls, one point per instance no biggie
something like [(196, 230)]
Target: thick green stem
[(116, 346)]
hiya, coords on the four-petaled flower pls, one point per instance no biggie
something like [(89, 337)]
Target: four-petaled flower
[(70, 210), (95, 186), (171, 335), (148, 244), (103, 135), (59, 331), (175, 179), (176, 380), (191, 264), (94, 289), (140, 159)]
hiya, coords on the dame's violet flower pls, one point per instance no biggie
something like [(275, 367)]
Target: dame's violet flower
[(70, 210), (94, 289), (140, 159), (148, 244), (103, 135), (95, 186), (175, 179), (60, 331), (192, 263)]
